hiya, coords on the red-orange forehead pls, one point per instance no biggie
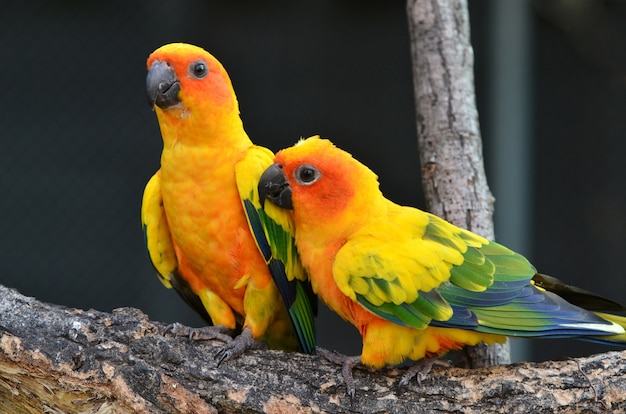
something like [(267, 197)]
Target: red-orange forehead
[(319, 150), (320, 153), (180, 55)]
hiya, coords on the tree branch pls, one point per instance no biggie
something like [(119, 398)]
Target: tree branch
[(56, 359), (453, 173)]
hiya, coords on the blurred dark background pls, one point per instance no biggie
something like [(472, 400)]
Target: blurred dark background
[(79, 141)]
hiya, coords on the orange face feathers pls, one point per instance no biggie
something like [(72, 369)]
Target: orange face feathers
[(201, 76), (184, 80), (325, 179)]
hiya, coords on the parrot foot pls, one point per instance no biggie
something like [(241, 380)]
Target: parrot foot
[(420, 369), (347, 364), (238, 346), (205, 333)]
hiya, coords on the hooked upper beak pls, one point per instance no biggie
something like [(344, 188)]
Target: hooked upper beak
[(273, 185), (162, 85)]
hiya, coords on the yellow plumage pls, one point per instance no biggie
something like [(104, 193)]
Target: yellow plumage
[(414, 285)]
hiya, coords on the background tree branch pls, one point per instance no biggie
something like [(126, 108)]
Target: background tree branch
[(56, 359), (450, 147)]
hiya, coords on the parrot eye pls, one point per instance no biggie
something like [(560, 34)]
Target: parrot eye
[(198, 69), (307, 174)]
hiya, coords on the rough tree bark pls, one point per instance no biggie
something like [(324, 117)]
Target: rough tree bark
[(59, 360), (453, 173)]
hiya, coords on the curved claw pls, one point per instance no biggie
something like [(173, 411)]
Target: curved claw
[(347, 365), (420, 370), (238, 346)]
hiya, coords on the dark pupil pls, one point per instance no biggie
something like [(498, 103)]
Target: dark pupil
[(307, 174), (199, 69)]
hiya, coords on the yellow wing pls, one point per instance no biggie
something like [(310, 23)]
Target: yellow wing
[(160, 247), (156, 231)]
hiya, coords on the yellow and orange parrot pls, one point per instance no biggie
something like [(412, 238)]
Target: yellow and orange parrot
[(414, 285), (201, 213)]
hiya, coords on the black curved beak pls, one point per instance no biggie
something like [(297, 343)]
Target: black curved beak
[(162, 85), (273, 185)]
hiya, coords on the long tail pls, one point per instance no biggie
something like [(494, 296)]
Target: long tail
[(587, 300), (575, 295)]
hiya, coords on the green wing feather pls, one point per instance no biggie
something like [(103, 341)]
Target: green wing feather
[(272, 228)]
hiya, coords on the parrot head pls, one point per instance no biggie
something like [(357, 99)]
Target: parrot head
[(321, 183), (187, 82)]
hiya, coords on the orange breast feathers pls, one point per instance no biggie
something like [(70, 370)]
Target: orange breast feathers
[(208, 224)]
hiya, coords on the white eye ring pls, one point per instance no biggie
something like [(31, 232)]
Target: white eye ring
[(306, 174)]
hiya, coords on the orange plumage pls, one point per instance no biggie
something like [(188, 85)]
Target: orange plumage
[(198, 192)]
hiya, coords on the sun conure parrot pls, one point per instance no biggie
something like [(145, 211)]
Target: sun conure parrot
[(414, 285), (201, 213)]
